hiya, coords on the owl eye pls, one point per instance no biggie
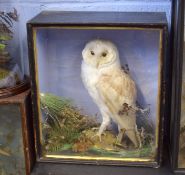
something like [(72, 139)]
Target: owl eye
[(104, 54), (92, 53)]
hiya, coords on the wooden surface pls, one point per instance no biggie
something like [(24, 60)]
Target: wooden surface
[(102, 18), (20, 98), (17, 89)]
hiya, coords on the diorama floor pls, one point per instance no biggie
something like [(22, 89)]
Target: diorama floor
[(66, 169)]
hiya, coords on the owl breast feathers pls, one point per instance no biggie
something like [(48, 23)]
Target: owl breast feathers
[(109, 86)]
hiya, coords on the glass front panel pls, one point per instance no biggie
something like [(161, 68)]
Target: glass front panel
[(11, 142), (99, 92)]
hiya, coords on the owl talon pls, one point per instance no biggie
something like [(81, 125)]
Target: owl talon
[(98, 135), (95, 128)]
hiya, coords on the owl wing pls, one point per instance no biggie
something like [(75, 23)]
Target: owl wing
[(116, 89)]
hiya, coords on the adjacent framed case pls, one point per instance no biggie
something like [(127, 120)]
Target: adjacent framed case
[(17, 154), (98, 87), (178, 89), (12, 76)]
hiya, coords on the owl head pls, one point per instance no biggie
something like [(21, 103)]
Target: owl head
[(100, 53)]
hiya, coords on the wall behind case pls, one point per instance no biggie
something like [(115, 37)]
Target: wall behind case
[(29, 8)]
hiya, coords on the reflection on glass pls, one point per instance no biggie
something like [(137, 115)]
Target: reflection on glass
[(76, 99)]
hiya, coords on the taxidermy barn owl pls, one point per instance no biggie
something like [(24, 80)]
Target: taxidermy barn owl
[(111, 88)]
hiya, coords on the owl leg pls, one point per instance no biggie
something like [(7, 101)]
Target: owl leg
[(104, 124), (120, 135)]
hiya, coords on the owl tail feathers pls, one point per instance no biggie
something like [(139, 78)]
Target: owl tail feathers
[(130, 129), (134, 136)]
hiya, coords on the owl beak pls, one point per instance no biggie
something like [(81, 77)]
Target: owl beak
[(97, 64)]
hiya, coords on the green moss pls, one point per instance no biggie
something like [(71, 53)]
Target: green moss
[(3, 73), (2, 47), (54, 103), (143, 152)]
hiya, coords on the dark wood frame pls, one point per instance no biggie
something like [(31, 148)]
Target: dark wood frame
[(177, 53), (99, 19)]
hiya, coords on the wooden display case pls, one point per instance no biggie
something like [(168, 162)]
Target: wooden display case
[(55, 41), (178, 89)]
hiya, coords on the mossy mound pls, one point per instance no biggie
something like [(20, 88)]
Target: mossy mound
[(67, 131), (64, 123)]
